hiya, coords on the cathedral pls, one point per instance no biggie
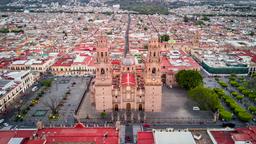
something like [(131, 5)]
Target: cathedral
[(125, 85)]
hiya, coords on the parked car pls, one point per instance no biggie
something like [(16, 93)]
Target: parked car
[(228, 124), (34, 88), (6, 124), (196, 108)]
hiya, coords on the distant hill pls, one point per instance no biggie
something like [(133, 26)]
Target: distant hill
[(27, 2)]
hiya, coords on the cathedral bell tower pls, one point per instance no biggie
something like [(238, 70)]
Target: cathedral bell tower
[(153, 83), (103, 80)]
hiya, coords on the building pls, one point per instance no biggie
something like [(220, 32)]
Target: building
[(166, 136), (225, 62), (244, 135), (175, 61), (77, 134), (38, 65), (71, 65), (128, 85), (12, 84)]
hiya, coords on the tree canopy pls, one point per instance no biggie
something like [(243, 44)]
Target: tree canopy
[(189, 79), (164, 38), (206, 98)]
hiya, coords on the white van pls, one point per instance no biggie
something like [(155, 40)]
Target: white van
[(196, 108)]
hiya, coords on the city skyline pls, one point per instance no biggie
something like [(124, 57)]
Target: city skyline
[(127, 72)]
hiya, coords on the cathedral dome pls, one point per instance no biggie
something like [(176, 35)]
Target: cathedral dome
[(128, 60)]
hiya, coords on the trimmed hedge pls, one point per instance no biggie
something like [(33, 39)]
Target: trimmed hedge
[(234, 83), (239, 97), (223, 84), (238, 110), (252, 109), (244, 116), (220, 92), (226, 115), (234, 93)]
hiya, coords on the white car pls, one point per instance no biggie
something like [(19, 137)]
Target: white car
[(6, 124), (196, 108)]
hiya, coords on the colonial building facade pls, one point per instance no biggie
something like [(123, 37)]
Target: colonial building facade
[(127, 85)]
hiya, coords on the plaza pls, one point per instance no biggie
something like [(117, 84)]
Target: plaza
[(66, 92), (176, 108)]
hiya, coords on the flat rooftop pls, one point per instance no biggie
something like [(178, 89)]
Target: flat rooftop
[(173, 137)]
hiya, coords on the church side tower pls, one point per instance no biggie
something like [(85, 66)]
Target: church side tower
[(153, 83), (103, 80)]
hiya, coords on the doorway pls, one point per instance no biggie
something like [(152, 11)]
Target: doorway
[(116, 107), (128, 106), (140, 107)]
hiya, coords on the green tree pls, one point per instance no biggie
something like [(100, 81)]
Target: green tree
[(252, 109), (239, 97), (234, 83), (185, 19), (4, 30), (164, 38), (206, 98), (200, 23), (244, 116), (226, 115), (189, 79), (220, 92), (251, 33), (223, 84), (103, 115), (47, 83), (205, 18)]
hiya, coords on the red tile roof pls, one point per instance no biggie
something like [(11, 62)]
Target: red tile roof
[(63, 62), (5, 136), (145, 138), (128, 79), (222, 137), (79, 133), (239, 134), (240, 137)]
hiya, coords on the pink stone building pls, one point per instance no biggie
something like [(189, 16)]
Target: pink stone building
[(124, 85)]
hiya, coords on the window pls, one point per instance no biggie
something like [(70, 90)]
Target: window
[(153, 70), (102, 71)]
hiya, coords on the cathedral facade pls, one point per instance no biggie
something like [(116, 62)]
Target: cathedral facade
[(123, 84)]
